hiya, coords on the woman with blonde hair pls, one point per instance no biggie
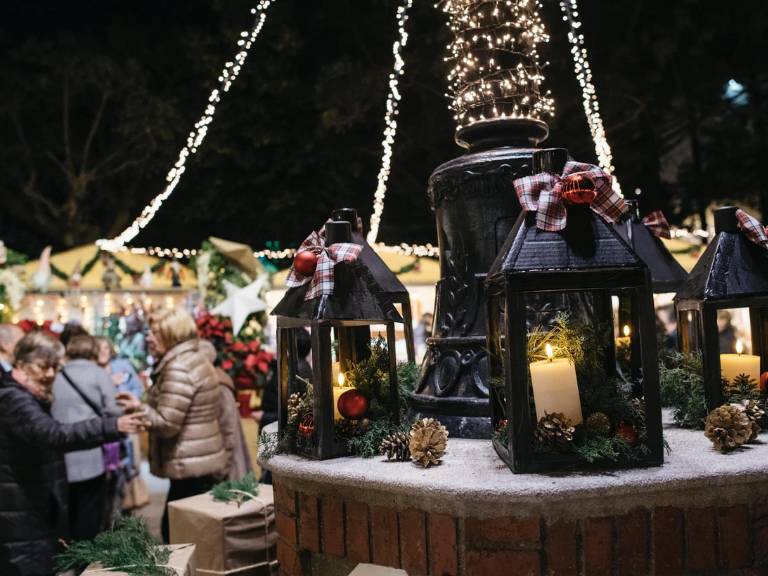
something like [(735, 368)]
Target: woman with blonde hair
[(33, 507), (182, 410)]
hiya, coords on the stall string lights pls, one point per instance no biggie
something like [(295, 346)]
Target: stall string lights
[(583, 71), (496, 72), (390, 121), (229, 74)]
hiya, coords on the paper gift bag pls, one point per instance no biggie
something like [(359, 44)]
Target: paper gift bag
[(230, 539), (182, 562)]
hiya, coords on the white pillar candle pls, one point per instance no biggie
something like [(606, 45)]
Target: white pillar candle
[(555, 388), (733, 365)]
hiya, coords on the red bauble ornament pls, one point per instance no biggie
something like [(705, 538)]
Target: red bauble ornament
[(628, 433), (305, 263), (764, 381), (352, 404), (307, 426), (578, 188)]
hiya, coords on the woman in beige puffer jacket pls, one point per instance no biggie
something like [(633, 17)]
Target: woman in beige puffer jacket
[(182, 410)]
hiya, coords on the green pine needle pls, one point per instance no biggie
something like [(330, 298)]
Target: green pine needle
[(127, 546), (239, 491)]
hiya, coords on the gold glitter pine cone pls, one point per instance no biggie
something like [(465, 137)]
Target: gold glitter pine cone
[(728, 427), (427, 442)]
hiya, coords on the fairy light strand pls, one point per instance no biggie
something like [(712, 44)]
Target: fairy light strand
[(496, 69), (229, 74), (583, 71), (390, 120)]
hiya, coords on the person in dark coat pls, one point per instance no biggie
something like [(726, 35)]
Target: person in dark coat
[(33, 480)]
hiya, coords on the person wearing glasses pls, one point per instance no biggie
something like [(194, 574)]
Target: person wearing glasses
[(33, 480)]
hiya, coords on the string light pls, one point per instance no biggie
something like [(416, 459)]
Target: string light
[(495, 69), (390, 123), (229, 74), (417, 250), (570, 10)]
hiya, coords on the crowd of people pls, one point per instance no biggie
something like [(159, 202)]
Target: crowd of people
[(70, 414)]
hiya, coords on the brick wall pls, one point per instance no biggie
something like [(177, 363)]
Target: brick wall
[(661, 541)]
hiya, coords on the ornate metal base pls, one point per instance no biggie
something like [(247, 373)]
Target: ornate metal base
[(453, 386)]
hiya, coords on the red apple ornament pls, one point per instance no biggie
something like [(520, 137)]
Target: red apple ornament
[(578, 188), (305, 263), (307, 426), (352, 404), (764, 381)]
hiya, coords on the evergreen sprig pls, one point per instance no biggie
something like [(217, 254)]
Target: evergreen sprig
[(127, 546), (239, 491), (682, 389), (367, 444)]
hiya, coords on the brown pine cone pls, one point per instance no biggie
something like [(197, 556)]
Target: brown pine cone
[(428, 439), (554, 433), (396, 447), (755, 413), (728, 427)]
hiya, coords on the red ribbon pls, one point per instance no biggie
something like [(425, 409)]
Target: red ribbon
[(322, 281), (657, 224), (542, 193), (752, 229)]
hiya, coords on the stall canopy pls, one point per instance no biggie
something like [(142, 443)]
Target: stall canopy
[(136, 271)]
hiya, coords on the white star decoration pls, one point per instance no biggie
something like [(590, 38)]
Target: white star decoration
[(241, 302)]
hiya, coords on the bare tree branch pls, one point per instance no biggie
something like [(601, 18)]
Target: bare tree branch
[(93, 129), (65, 120)]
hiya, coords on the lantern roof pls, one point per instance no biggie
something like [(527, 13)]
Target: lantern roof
[(667, 275), (385, 278), (357, 293), (732, 266), (587, 243)]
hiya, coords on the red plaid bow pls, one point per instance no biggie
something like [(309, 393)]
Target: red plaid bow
[(657, 224), (542, 193), (321, 282), (752, 228)]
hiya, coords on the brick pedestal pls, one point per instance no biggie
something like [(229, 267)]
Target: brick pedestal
[(702, 513)]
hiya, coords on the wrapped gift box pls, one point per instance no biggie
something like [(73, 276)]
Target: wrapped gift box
[(182, 561), (231, 539)]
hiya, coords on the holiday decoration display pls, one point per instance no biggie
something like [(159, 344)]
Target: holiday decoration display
[(732, 273), (728, 427), (396, 446), (549, 308), (427, 441), (496, 69), (338, 304)]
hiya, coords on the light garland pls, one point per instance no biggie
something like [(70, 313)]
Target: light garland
[(417, 250), (390, 123), (496, 71), (229, 74), (570, 10)]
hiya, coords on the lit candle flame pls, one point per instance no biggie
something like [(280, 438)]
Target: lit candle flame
[(739, 347), (548, 351), (626, 330)]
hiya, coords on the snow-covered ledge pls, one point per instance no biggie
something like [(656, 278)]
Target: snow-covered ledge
[(696, 503)]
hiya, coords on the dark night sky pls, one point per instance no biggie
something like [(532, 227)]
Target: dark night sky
[(300, 132)]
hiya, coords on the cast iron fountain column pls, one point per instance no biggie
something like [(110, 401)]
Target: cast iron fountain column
[(475, 207)]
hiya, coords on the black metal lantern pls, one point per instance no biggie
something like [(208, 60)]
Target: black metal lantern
[(667, 276), (555, 399), (731, 275), (385, 278), (318, 411)]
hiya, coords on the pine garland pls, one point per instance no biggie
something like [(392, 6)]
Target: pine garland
[(367, 444), (239, 491), (682, 389), (128, 546)]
